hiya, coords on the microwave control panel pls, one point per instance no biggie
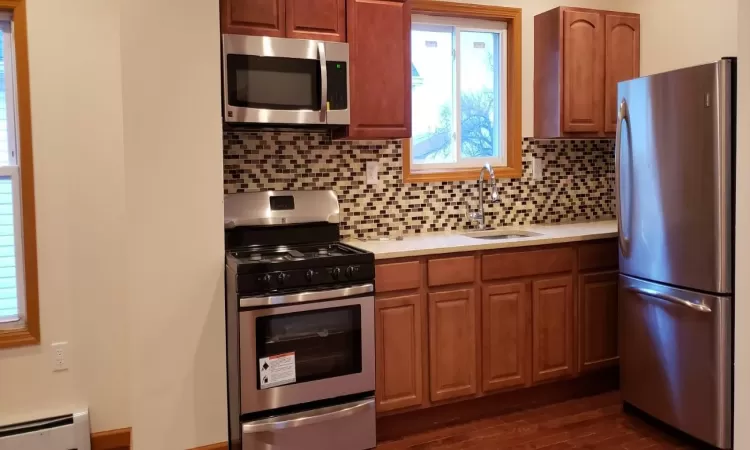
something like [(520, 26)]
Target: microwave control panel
[(338, 96)]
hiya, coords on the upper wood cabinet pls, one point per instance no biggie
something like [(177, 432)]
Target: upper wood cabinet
[(398, 352), (453, 369), (580, 55), (583, 71), (506, 338), (253, 17), (379, 35), (316, 19), (597, 325), (623, 62), (552, 310), (302, 19)]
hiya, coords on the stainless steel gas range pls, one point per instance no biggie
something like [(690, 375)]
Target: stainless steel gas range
[(300, 325)]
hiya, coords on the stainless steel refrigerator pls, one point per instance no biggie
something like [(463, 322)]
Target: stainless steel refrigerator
[(675, 208)]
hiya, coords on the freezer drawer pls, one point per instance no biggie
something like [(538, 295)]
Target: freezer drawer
[(676, 357), (349, 426)]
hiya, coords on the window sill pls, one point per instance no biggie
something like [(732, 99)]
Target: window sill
[(459, 175), (20, 337)]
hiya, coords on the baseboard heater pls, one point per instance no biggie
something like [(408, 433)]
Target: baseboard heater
[(68, 432)]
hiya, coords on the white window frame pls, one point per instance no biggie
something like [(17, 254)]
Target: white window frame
[(12, 170), (461, 24)]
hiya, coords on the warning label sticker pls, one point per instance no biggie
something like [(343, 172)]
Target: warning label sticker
[(277, 370)]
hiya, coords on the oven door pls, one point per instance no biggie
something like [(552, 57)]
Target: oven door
[(285, 81), (304, 347)]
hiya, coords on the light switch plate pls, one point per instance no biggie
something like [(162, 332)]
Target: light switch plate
[(372, 169), (538, 169)]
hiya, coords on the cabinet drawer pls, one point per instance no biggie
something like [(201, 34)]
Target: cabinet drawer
[(526, 263), (397, 276), (444, 271), (598, 255)]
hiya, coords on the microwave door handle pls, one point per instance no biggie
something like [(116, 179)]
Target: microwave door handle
[(323, 83)]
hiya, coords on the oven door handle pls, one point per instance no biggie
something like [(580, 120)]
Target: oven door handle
[(303, 297), (308, 417)]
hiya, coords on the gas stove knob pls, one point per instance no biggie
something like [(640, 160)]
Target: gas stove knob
[(350, 271), (309, 274), (336, 273), (281, 277), (266, 279)]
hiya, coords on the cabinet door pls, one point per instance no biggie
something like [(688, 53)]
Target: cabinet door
[(597, 329), (453, 369), (379, 34), (553, 328), (583, 72), (253, 17), (398, 352), (623, 60), (316, 19), (506, 352)]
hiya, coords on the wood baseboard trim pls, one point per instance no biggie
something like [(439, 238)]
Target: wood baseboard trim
[(111, 440), (397, 426), (219, 446)]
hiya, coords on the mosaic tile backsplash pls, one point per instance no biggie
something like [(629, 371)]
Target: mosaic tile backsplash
[(577, 182)]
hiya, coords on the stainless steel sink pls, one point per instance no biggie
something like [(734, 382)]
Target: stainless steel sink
[(497, 234)]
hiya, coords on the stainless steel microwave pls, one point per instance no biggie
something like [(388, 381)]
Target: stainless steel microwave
[(280, 81)]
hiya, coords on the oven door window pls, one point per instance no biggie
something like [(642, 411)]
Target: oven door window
[(266, 82), (326, 343)]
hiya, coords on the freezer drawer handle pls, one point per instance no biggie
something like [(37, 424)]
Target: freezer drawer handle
[(670, 298), (317, 416)]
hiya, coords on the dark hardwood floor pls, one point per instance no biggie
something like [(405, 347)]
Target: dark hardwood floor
[(596, 422)]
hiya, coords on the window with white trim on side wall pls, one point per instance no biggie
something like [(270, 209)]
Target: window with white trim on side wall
[(19, 290), (12, 303)]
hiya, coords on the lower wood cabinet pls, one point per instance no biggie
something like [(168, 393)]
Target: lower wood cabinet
[(398, 352), (453, 368), (506, 338), (553, 346), (460, 326), (597, 329)]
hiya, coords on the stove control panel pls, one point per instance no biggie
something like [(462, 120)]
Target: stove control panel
[(301, 278)]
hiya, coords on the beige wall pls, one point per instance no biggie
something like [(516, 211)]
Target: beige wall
[(79, 176), (129, 207), (683, 33), (742, 246), (174, 183)]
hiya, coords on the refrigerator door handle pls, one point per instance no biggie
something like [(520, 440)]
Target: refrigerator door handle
[(670, 298), (623, 115)]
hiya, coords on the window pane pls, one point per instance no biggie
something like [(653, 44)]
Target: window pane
[(480, 90), (432, 90), (4, 149), (8, 292)]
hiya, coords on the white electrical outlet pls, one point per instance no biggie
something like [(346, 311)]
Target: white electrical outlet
[(59, 357), (372, 169), (538, 169)]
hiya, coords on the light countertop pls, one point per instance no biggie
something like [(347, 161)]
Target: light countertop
[(455, 242)]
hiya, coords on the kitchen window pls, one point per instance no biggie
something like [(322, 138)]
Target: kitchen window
[(19, 313), (465, 92)]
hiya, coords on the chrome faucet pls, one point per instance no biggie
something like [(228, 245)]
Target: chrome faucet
[(478, 216)]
